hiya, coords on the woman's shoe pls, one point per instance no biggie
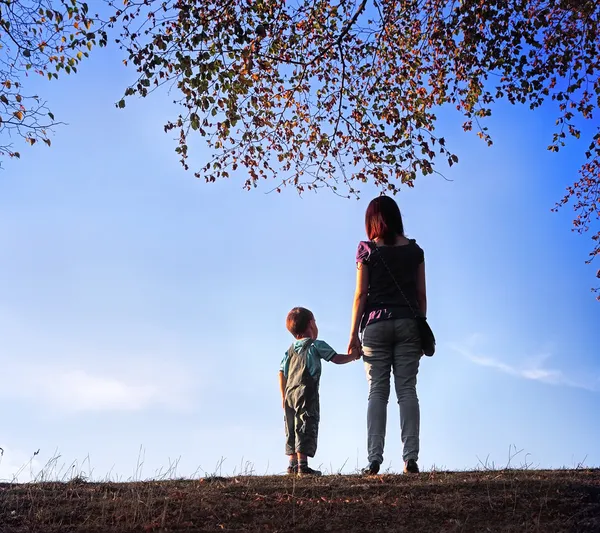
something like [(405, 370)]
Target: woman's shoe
[(371, 470), (411, 467)]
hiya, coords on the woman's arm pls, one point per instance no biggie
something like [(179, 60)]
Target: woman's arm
[(360, 299), (421, 289)]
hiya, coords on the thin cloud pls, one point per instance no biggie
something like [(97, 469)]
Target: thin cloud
[(533, 368), (73, 389), (78, 390)]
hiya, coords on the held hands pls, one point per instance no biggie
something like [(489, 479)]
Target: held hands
[(355, 354), (355, 349)]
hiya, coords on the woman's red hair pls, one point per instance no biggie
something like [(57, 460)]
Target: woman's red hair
[(383, 220)]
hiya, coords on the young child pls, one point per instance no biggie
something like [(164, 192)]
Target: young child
[(299, 377)]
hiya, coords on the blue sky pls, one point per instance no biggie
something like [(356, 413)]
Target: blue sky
[(142, 309)]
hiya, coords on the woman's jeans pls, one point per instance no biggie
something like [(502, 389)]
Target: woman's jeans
[(392, 345)]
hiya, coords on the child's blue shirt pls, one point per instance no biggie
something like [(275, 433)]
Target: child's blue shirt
[(317, 351)]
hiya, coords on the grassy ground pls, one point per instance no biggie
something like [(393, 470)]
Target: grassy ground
[(510, 500)]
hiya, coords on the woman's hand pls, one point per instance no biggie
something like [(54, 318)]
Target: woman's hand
[(354, 345)]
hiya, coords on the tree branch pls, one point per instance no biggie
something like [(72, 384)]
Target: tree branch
[(342, 34)]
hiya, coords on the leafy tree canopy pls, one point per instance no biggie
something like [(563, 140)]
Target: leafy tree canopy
[(37, 38), (327, 93), (333, 93)]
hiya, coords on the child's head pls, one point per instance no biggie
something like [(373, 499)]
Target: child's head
[(301, 323)]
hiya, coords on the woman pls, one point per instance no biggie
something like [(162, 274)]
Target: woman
[(390, 289)]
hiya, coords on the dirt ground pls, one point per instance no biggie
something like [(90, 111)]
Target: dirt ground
[(512, 500)]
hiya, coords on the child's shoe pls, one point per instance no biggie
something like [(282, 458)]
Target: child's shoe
[(292, 469), (372, 469), (305, 470), (411, 467)]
